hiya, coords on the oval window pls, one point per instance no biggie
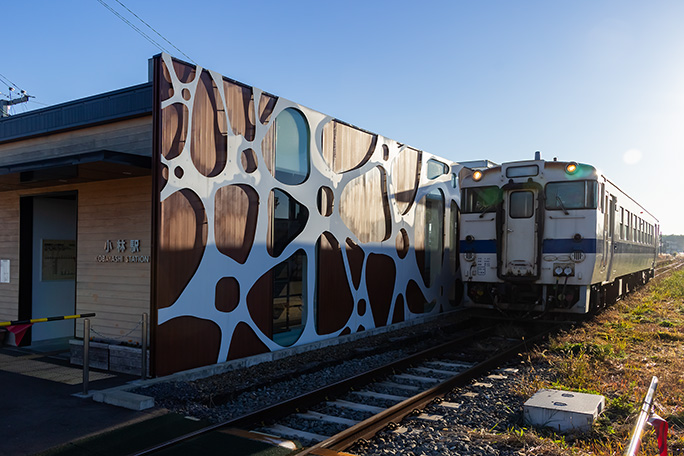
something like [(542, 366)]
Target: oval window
[(291, 147)]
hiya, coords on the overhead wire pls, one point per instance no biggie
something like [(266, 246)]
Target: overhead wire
[(9, 83), (159, 34), (143, 34), (116, 13)]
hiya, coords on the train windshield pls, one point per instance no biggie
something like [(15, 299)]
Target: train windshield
[(571, 195), (480, 199)]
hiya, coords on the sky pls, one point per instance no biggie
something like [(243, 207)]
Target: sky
[(594, 81)]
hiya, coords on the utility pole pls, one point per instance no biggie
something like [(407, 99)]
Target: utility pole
[(5, 104)]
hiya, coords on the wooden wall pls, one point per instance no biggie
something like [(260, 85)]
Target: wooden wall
[(108, 210), (9, 250), (132, 136), (119, 292)]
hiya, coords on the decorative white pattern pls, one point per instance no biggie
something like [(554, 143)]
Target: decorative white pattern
[(197, 299)]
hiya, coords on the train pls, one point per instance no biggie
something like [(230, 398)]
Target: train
[(550, 237)]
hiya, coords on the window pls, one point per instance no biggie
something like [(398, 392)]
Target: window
[(628, 232), (291, 147), (522, 171), (480, 199), (521, 204), (289, 287), (289, 219), (436, 168), (622, 223), (634, 228), (571, 195), (434, 235)]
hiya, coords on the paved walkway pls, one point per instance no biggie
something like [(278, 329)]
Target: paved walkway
[(38, 409)]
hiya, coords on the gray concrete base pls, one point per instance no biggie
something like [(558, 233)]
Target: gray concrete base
[(124, 399)]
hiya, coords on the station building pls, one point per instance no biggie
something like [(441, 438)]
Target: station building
[(242, 222)]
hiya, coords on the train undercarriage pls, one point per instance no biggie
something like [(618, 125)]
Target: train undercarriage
[(557, 297)]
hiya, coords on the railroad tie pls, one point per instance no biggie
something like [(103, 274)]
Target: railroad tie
[(355, 406), (329, 418), (388, 397), (279, 429)]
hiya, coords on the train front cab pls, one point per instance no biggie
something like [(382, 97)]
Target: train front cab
[(539, 250), (542, 236)]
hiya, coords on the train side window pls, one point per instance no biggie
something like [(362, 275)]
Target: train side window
[(602, 198), (634, 228), (480, 199), (521, 204), (622, 223), (628, 235)]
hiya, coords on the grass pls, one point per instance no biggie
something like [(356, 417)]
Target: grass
[(616, 354)]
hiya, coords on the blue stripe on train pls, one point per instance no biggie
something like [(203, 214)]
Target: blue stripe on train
[(549, 246), (588, 246), (478, 246)]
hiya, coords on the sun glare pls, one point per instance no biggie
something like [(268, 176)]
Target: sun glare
[(632, 156)]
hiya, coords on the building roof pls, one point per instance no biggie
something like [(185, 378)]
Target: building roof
[(106, 107)]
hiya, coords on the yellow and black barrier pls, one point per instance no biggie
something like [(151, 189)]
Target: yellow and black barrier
[(41, 320)]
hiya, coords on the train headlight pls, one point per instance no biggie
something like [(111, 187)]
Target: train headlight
[(477, 175), (571, 168), (568, 271), (558, 270)]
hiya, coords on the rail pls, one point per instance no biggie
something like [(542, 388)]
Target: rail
[(372, 425), (635, 441)]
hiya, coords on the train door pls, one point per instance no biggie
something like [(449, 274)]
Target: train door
[(520, 236)]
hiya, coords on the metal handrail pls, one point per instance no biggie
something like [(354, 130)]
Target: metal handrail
[(644, 414)]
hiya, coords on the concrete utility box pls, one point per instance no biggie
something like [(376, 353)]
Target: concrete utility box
[(563, 410)]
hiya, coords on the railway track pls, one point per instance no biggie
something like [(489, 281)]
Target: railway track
[(336, 416), (668, 267)]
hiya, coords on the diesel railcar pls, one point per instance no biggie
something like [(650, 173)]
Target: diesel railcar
[(552, 236)]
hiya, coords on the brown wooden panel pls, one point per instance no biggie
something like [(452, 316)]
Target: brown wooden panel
[(182, 239), (380, 276), (325, 201), (268, 149), (345, 147), (406, 175), (398, 315), (249, 161), (9, 250), (355, 257), (402, 243), (364, 206), (174, 129), (208, 145), (334, 300), (245, 343), (240, 108), (414, 298), (260, 303), (185, 343), (266, 105), (362, 307), (117, 292), (227, 294), (235, 219)]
